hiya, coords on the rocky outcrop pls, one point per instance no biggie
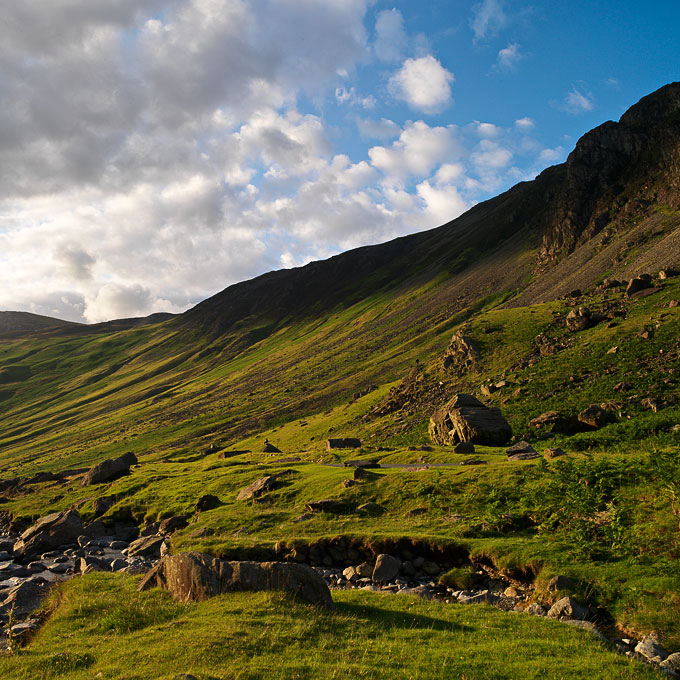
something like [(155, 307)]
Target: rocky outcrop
[(522, 451), (109, 470), (344, 443), (464, 418), (194, 576), (52, 531), (461, 355)]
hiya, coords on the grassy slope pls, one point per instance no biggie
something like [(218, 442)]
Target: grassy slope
[(103, 628), (69, 402)]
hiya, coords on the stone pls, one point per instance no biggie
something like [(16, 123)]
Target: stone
[(650, 404), (330, 506), (84, 565), (581, 319), (637, 284), (474, 597), (553, 453), (195, 576), (53, 531), (622, 387), (361, 474), (422, 592), (207, 502), (25, 598), (511, 591), (102, 505), (118, 564), (268, 447), (348, 483), (430, 568), (464, 447), (568, 608), (364, 570), (109, 470), (12, 570), (667, 273), (343, 443), (464, 418), (372, 509), (461, 355), (147, 546), (536, 609), (257, 488), (522, 450), (172, 524), (596, 417), (386, 568), (672, 662), (650, 647)]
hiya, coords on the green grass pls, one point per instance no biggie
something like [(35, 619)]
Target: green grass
[(255, 635)]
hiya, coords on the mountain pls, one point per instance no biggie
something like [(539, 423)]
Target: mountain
[(619, 175), (522, 302)]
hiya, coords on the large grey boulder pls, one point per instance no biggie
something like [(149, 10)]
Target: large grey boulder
[(464, 418), (194, 576), (109, 469), (50, 532), (522, 451), (386, 568)]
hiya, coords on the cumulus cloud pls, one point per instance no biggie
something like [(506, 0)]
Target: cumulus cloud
[(577, 101), (378, 129), (423, 83), (488, 18), (390, 36)]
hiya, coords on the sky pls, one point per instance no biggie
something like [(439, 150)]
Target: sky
[(153, 152)]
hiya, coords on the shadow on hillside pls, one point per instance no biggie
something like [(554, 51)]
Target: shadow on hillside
[(391, 619)]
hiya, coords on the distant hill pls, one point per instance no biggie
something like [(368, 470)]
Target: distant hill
[(20, 322)]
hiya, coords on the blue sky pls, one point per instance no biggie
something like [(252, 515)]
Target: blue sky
[(153, 152)]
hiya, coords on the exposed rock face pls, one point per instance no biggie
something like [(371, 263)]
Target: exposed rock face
[(110, 469), (582, 318), (257, 488), (464, 418), (346, 443), (25, 598), (171, 524), (50, 532), (637, 284), (461, 355), (147, 546), (207, 502), (596, 417), (194, 576)]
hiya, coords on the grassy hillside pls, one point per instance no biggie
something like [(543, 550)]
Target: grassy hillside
[(248, 636)]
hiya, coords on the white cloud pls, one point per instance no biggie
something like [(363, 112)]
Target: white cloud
[(509, 57), (488, 130), (419, 149), (525, 124), (424, 84), (488, 18), (551, 155), (577, 101), (349, 96), (491, 156), (390, 36)]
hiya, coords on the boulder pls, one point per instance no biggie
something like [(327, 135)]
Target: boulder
[(554, 421), (50, 532), (207, 502), (362, 474), (637, 284), (522, 451), (596, 417), (24, 598), (172, 524), (344, 443), (195, 576), (551, 453), (650, 647), (465, 419), (667, 273), (582, 318), (386, 568), (330, 506), (257, 488), (268, 447), (461, 355), (372, 509), (568, 608), (147, 546), (109, 469)]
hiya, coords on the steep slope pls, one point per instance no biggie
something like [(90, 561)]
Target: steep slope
[(618, 173)]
